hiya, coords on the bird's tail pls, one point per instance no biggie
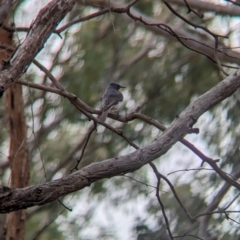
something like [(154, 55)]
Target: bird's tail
[(103, 116)]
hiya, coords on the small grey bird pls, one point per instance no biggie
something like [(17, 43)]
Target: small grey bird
[(111, 99)]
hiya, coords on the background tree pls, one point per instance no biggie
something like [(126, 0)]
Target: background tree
[(15, 222), (168, 54)]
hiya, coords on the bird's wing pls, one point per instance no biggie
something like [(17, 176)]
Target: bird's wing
[(110, 100)]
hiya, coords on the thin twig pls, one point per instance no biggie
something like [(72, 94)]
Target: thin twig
[(48, 73), (217, 59), (229, 218), (186, 234), (143, 183), (214, 35), (234, 199), (173, 190), (190, 23), (46, 225), (192, 10), (66, 159), (92, 128), (69, 209), (214, 212), (169, 30), (87, 111), (158, 175), (33, 132), (190, 169), (93, 15), (233, 2), (82, 19)]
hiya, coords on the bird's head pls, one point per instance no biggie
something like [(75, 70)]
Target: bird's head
[(115, 86)]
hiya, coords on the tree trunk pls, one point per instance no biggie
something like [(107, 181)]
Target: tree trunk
[(18, 152), (18, 157)]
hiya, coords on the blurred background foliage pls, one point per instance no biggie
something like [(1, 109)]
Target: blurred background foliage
[(161, 76)]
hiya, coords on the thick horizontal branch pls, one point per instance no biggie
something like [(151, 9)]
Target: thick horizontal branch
[(56, 10), (218, 8), (45, 22), (15, 199), (130, 117)]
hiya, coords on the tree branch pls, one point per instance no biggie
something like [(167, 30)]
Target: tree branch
[(233, 2), (207, 6), (14, 199), (192, 10), (4, 9), (203, 230), (158, 175), (80, 105), (191, 41), (40, 30)]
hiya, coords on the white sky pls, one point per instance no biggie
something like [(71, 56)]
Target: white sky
[(176, 159)]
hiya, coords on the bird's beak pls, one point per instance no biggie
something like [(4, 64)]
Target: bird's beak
[(120, 89)]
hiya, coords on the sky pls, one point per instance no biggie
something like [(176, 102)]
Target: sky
[(123, 216)]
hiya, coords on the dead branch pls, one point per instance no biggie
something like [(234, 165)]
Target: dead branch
[(14, 199), (84, 108)]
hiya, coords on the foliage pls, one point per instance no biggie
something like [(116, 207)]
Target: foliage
[(163, 81)]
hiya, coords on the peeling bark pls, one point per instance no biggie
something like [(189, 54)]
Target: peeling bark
[(40, 30), (18, 154), (18, 157), (20, 198)]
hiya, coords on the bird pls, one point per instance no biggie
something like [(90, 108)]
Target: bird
[(111, 99)]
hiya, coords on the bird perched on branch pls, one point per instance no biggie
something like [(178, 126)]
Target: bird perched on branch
[(111, 99)]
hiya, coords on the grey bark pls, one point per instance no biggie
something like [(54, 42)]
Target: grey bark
[(197, 41), (15, 199), (205, 6), (40, 30)]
